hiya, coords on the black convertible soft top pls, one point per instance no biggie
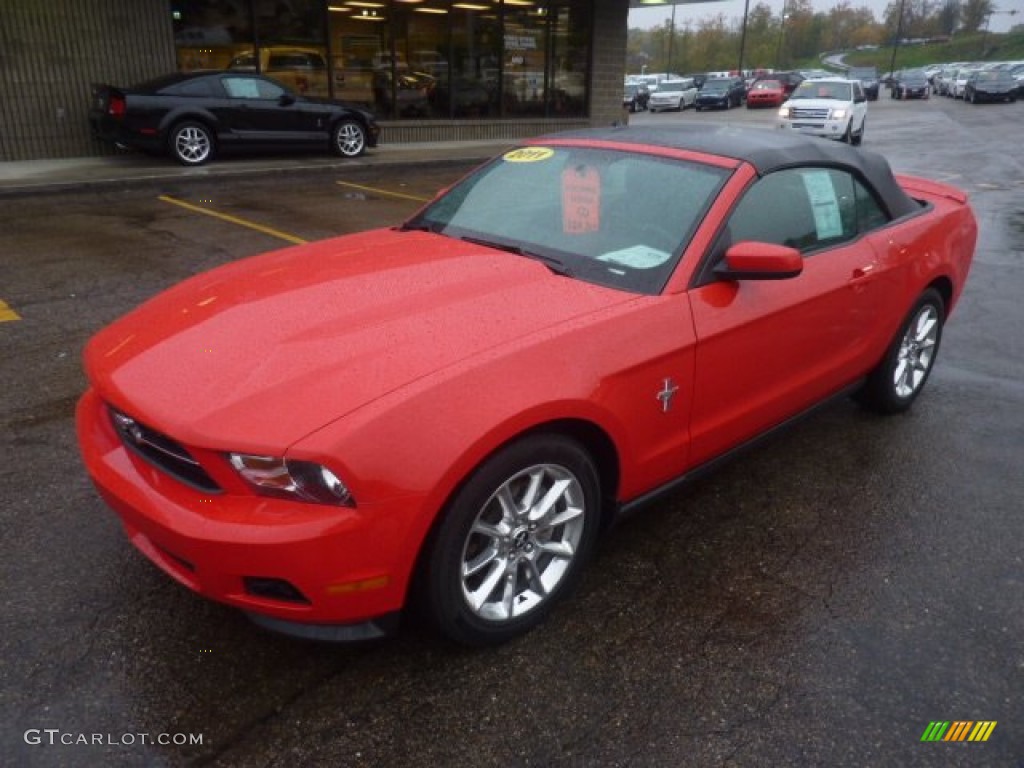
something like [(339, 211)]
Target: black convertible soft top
[(766, 150)]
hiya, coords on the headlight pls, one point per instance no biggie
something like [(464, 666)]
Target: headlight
[(783, 111), (288, 479), (838, 114)]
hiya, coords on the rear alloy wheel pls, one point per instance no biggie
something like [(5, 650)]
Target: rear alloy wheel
[(191, 143), (898, 380), (513, 541), (348, 139)]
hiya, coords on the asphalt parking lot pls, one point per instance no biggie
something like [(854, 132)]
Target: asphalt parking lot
[(817, 602)]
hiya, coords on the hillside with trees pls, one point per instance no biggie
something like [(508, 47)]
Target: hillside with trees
[(800, 34)]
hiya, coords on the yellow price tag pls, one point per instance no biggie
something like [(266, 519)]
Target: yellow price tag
[(528, 154)]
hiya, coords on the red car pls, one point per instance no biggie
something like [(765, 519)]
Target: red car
[(452, 411), (766, 93)]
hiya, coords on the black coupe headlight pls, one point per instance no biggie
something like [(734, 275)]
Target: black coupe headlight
[(290, 479)]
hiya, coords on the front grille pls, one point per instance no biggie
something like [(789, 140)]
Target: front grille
[(807, 113), (162, 452)]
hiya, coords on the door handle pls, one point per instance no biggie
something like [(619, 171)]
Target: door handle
[(861, 272)]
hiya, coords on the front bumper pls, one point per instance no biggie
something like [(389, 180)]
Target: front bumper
[(826, 129), (303, 568)]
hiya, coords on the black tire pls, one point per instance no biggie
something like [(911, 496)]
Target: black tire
[(848, 136), (858, 138), (494, 569), (897, 381), (348, 139), (191, 143)]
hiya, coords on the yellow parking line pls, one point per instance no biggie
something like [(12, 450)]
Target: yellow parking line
[(377, 191), (7, 314), (234, 220)]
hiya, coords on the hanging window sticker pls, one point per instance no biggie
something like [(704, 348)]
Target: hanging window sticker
[(824, 203), (581, 200), (528, 155)]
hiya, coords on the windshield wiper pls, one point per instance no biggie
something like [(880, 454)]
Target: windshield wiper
[(550, 262), (423, 226)]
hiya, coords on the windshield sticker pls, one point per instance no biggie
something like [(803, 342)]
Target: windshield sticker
[(581, 200), (637, 257), (528, 155), (824, 203)]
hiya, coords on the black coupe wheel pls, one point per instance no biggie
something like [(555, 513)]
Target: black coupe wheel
[(348, 139), (898, 380), (513, 541), (191, 143)]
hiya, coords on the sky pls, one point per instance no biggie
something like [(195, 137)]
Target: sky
[(646, 18)]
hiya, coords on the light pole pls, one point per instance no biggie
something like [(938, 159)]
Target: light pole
[(896, 42), (671, 39), (743, 35), (782, 37)]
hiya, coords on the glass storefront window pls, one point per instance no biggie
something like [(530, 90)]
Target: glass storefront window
[(476, 61), (405, 59)]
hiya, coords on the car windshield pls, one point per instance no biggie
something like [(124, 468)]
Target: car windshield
[(716, 86), (619, 219), (674, 86), (821, 90), (767, 85)]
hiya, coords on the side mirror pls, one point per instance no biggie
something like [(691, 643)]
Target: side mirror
[(286, 100), (750, 260)]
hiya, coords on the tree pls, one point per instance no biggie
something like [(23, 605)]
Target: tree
[(974, 14), (948, 17)]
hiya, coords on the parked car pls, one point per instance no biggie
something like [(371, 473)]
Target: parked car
[(193, 116), (450, 413), (958, 84), (911, 84), (635, 97), (990, 85), (789, 80), (831, 108), (868, 77), (766, 93), (720, 93), (942, 80), (673, 94)]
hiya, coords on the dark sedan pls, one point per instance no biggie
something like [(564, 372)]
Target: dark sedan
[(721, 93), (991, 85), (911, 84), (868, 77), (192, 116)]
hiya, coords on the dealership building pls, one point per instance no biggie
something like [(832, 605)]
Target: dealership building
[(431, 70)]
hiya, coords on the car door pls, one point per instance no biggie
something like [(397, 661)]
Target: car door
[(768, 349), (256, 111)]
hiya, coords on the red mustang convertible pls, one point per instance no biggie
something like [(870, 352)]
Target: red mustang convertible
[(450, 412)]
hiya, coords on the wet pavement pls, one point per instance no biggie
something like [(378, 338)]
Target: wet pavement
[(819, 601)]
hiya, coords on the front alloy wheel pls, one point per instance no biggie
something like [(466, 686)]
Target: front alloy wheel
[(902, 374), (513, 541)]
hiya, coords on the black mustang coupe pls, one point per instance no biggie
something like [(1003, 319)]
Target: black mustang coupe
[(192, 116)]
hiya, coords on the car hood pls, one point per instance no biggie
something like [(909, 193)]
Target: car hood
[(259, 353), (818, 104)]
